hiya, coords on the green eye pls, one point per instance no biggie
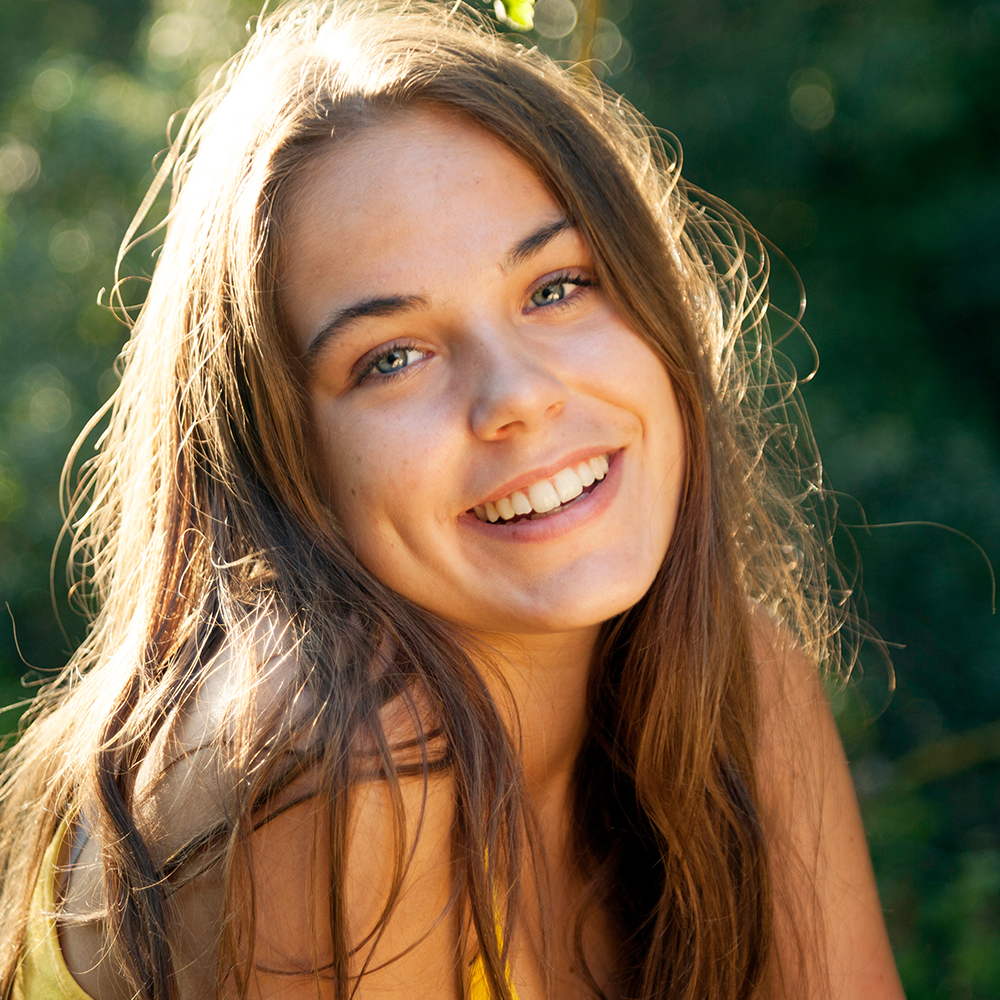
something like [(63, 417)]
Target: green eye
[(554, 291), (557, 289), (394, 360), (389, 362)]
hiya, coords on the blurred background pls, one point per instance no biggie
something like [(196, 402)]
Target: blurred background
[(862, 138)]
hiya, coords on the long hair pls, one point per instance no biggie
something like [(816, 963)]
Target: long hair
[(201, 525)]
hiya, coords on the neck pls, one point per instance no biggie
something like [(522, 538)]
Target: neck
[(545, 704)]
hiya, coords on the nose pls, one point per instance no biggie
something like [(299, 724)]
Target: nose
[(515, 391)]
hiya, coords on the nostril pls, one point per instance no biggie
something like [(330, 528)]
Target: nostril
[(515, 393)]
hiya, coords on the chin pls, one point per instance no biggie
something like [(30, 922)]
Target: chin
[(548, 610)]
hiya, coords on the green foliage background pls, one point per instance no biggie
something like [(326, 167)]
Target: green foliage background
[(863, 138)]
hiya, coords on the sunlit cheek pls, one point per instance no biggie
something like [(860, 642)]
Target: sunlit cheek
[(333, 466)]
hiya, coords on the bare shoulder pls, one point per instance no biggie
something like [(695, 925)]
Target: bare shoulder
[(392, 869), (183, 794), (828, 921), (402, 937)]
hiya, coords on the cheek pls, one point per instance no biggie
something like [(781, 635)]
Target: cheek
[(655, 402), (345, 473), (374, 465), (617, 362), (675, 459)]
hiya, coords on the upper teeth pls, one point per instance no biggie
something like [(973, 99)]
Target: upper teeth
[(546, 494)]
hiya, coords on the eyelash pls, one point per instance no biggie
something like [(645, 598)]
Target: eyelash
[(367, 366), (564, 278)]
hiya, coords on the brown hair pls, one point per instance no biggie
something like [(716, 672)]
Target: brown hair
[(200, 524)]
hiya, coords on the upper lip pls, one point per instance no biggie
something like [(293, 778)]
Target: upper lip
[(525, 479)]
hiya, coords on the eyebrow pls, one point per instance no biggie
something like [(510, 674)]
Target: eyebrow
[(532, 243), (385, 306), (390, 305)]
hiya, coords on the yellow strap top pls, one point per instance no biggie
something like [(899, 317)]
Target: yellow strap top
[(42, 974), (479, 988)]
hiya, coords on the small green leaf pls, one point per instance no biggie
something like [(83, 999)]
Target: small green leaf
[(516, 13)]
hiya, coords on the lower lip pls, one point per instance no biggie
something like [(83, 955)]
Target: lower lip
[(582, 511)]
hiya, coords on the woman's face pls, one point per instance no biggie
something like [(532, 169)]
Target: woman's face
[(463, 368)]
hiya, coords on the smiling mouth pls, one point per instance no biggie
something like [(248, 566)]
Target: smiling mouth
[(547, 496)]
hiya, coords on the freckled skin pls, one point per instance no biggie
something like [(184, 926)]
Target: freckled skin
[(495, 387)]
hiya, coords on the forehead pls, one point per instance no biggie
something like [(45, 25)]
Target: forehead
[(409, 154), (386, 209)]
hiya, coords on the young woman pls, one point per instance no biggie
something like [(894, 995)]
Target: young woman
[(458, 615)]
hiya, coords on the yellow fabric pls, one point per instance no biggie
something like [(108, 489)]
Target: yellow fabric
[(479, 988), (43, 974)]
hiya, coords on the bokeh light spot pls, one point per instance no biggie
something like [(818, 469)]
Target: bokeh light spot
[(170, 39), (70, 249), (19, 166), (607, 40), (555, 18), (617, 10), (52, 89), (49, 409), (810, 99)]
